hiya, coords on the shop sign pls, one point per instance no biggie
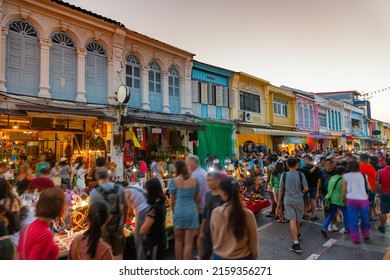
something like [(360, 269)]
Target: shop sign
[(156, 130), (296, 140)]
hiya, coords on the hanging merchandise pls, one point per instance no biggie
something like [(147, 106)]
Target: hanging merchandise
[(97, 143)]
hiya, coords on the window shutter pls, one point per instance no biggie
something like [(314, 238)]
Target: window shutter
[(219, 96), (231, 98), (203, 93), (195, 91), (210, 93), (225, 96)]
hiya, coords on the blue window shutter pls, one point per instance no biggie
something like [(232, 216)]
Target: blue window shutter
[(14, 63), (70, 70), (204, 111), (31, 66), (219, 112), (101, 76), (55, 71)]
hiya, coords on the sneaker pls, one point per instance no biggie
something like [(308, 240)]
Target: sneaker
[(382, 229), (324, 233), (315, 218), (305, 217), (296, 248), (335, 228)]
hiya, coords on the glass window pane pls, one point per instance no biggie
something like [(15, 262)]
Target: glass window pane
[(177, 82), (158, 88), (137, 72), (170, 81), (151, 76), (158, 77), (151, 86), (129, 82), (137, 83), (128, 70), (177, 92), (170, 91)]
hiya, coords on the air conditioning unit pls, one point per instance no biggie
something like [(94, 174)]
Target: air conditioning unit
[(247, 117)]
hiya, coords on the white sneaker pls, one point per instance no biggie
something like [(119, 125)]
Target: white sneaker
[(330, 228), (335, 228)]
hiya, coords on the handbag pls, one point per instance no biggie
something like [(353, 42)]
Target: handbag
[(327, 201)]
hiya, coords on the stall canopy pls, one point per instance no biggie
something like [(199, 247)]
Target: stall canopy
[(88, 112), (162, 120), (216, 140)]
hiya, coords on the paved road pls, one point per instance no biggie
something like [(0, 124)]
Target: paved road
[(275, 238)]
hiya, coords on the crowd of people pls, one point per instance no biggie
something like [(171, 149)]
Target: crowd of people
[(209, 220)]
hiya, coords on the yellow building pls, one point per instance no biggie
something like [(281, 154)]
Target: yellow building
[(259, 120)]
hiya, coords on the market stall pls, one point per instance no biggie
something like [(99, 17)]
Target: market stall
[(74, 223), (254, 202)]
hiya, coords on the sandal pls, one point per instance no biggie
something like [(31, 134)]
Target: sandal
[(281, 221)]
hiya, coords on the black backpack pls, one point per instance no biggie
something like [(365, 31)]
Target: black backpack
[(114, 204)]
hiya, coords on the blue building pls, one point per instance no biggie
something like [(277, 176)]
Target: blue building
[(211, 102)]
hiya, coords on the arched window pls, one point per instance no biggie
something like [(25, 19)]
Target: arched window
[(174, 90), (155, 92), (311, 117), (96, 73), (300, 115), (63, 67), (133, 80), (22, 64), (306, 117)]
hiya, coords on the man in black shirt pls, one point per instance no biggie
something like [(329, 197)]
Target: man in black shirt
[(311, 173)]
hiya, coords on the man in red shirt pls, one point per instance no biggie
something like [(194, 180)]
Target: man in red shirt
[(369, 170), (41, 183), (384, 185)]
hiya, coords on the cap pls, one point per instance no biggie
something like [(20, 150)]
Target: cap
[(63, 159)]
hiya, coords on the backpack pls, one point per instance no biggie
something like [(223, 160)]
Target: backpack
[(113, 200), (284, 178)]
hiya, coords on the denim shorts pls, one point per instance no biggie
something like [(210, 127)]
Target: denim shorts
[(312, 193), (385, 203)]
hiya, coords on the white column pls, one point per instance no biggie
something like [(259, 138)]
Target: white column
[(111, 97), (165, 92), (81, 92), (4, 32), (44, 87), (183, 97), (145, 88)]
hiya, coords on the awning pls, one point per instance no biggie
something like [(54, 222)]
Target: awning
[(274, 132), (67, 111), (162, 120), (10, 112), (319, 136)]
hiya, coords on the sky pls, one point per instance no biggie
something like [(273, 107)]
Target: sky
[(312, 45)]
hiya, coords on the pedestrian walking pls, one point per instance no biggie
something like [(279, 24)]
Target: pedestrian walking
[(233, 228), (292, 186), (355, 193), (185, 200)]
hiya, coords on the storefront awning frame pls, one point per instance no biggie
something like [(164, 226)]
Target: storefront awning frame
[(272, 132), (182, 121)]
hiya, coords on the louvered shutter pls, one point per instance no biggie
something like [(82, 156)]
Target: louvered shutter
[(31, 66), (203, 93), (70, 63), (225, 96), (14, 67), (55, 71), (195, 91), (219, 96), (101, 73)]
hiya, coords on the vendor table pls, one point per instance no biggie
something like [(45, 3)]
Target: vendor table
[(256, 207)]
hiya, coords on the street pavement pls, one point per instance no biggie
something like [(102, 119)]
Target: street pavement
[(275, 239)]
